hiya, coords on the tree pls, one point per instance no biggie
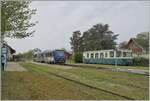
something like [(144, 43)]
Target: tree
[(122, 45), (76, 41), (143, 40), (27, 55), (96, 38), (64, 49), (15, 18), (99, 37), (36, 50)]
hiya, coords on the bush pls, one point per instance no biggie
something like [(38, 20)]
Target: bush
[(78, 57), (140, 61)]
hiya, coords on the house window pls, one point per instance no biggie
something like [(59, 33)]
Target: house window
[(92, 55), (96, 55), (111, 54)]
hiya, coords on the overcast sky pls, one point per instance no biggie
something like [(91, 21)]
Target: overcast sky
[(58, 19)]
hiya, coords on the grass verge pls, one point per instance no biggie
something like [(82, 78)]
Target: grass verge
[(130, 85)]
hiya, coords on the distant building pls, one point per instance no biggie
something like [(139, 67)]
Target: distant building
[(69, 55), (11, 51), (134, 46)]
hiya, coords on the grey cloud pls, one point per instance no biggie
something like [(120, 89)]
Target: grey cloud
[(57, 21)]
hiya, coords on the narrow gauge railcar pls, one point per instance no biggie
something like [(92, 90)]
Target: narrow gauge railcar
[(48, 56), (111, 56), (38, 57)]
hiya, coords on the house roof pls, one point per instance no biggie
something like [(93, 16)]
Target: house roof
[(136, 42), (12, 51)]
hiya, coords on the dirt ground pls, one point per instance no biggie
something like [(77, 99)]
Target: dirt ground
[(14, 66)]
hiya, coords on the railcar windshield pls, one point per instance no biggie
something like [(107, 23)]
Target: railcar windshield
[(59, 52)]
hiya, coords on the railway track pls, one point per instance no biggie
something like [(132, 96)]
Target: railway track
[(73, 66), (139, 72), (84, 84)]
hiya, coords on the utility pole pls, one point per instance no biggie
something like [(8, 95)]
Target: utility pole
[(0, 49), (0, 38)]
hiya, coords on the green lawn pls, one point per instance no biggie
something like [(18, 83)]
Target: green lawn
[(29, 86), (129, 85)]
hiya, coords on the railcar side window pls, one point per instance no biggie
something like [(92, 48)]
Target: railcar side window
[(96, 55), (118, 54), (35, 56), (106, 54), (50, 54), (111, 54), (92, 55), (124, 54), (127, 54), (101, 55), (47, 54), (87, 55)]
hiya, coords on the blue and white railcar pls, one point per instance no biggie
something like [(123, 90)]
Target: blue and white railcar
[(111, 56), (59, 56), (49, 56)]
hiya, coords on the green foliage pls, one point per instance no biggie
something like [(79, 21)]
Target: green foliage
[(140, 61), (15, 18), (78, 57), (64, 49), (143, 40), (96, 38), (76, 41), (26, 55)]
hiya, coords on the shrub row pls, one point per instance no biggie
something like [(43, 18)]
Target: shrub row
[(78, 57), (140, 61)]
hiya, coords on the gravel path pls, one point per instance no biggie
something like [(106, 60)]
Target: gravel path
[(13, 66)]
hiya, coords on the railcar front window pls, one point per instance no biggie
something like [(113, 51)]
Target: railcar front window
[(60, 52), (92, 55), (111, 54), (118, 54), (96, 55)]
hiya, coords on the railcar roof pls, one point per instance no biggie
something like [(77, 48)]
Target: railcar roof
[(110, 50), (45, 51)]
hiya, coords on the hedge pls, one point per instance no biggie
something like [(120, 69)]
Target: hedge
[(140, 61), (78, 57)]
